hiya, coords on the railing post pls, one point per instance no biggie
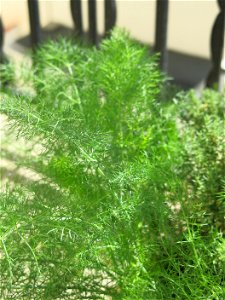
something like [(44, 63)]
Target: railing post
[(1, 42), (35, 31), (92, 21), (5, 77), (217, 44), (161, 31), (110, 15), (75, 6)]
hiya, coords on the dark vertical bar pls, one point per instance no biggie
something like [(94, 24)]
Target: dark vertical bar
[(1, 42), (110, 15), (75, 6), (3, 58), (35, 29), (161, 31), (92, 21), (217, 44), (5, 76)]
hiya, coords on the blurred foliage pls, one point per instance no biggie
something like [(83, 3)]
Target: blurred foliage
[(202, 131)]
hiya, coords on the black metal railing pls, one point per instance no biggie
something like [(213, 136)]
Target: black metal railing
[(217, 44), (161, 26), (35, 29), (1, 42), (76, 12)]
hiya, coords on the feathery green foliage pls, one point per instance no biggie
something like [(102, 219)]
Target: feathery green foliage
[(203, 135), (106, 217)]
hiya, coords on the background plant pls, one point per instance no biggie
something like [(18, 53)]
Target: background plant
[(202, 131)]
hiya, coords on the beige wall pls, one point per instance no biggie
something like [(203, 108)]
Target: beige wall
[(190, 22)]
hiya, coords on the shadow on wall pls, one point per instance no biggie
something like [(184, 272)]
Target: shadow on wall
[(188, 71)]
